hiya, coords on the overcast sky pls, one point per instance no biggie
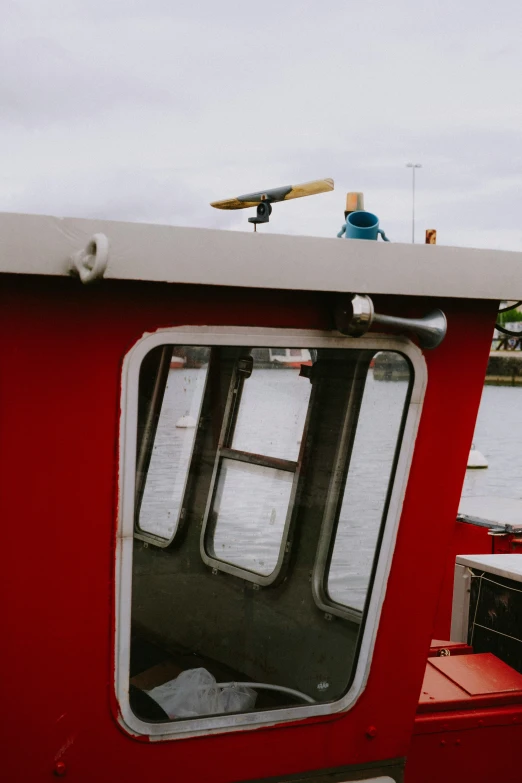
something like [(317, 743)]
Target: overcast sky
[(146, 110)]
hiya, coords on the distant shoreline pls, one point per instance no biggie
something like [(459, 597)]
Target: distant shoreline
[(504, 368)]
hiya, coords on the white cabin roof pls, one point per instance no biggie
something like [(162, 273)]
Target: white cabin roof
[(36, 244), (508, 566)]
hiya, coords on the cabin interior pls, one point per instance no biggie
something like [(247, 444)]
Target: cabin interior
[(257, 470)]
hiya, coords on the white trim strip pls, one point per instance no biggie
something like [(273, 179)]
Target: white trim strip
[(36, 244)]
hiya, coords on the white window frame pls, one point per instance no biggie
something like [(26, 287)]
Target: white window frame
[(253, 337), (162, 542), (209, 557), (321, 569)]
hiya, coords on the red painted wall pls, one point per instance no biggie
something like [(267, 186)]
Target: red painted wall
[(465, 539), (62, 347), (459, 747)]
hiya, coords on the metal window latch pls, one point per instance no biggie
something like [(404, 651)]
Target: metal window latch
[(354, 314), (245, 365)]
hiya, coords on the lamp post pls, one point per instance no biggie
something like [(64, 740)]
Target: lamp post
[(413, 166)]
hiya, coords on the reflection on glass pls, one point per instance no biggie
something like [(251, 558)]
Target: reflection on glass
[(371, 463), (273, 406), (174, 441), (250, 510), (195, 607)]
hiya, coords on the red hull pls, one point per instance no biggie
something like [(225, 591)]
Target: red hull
[(59, 490)]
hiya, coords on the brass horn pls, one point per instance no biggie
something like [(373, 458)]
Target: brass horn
[(354, 314)]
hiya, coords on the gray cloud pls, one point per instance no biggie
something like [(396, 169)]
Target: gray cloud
[(143, 111)]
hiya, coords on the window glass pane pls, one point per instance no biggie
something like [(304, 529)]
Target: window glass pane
[(250, 511), (273, 406), (369, 473), (174, 441), (235, 600)]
